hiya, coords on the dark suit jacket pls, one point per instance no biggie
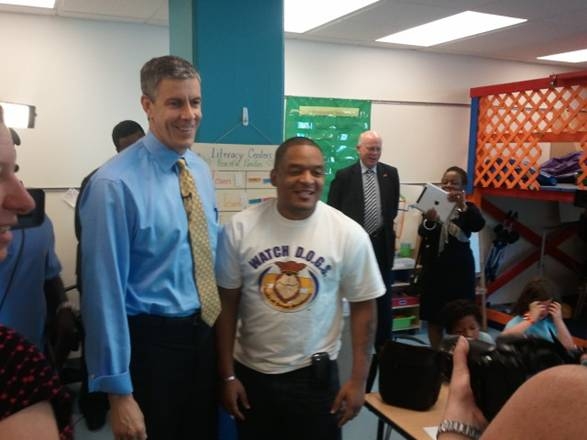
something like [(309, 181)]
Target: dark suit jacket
[(346, 195)]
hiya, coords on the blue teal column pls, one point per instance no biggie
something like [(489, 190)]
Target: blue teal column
[(238, 48)]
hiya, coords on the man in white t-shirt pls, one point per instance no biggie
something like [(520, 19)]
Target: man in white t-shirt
[(283, 268)]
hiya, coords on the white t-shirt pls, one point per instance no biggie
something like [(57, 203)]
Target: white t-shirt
[(293, 275)]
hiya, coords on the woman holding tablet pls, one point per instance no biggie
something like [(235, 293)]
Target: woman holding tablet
[(448, 267)]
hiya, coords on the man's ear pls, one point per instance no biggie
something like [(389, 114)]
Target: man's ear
[(146, 104), (273, 176)]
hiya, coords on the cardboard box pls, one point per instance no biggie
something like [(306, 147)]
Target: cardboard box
[(559, 149)]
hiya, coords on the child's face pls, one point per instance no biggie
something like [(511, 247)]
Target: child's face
[(468, 327), (451, 181)]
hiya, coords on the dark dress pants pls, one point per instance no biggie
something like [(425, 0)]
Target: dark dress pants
[(384, 312), (289, 406), (173, 371)]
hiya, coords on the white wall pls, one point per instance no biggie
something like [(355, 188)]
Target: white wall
[(83, 76), (405, 78)]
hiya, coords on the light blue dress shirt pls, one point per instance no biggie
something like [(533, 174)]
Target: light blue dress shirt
[(136, 256), (30, 261)]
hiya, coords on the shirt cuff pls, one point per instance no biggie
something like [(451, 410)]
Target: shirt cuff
[(118, 384)]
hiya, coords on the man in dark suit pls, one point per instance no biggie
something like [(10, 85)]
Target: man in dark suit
[(368, 192)]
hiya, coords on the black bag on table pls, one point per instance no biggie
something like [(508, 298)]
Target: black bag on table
[(410, 376)]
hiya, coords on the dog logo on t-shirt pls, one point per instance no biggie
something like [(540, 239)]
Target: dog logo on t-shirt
[(288, 286)]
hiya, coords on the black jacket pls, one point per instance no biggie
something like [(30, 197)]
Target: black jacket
[(346, 195)]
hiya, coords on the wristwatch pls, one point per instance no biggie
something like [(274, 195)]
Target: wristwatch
[(461, 428)]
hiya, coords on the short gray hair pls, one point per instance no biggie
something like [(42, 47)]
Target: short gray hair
[(168, 66)]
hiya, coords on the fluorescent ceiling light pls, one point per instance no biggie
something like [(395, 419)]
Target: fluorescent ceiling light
[(302, 15), (32, 3), (451, 28), (575, 56), (18, 115)]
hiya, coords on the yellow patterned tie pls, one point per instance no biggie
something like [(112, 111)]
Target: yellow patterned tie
[(200, 244)]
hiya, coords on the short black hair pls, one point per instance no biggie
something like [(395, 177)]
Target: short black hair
[(125, 128), (291, 142), (460, 172), (456, 310)]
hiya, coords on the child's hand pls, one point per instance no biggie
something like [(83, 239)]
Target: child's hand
[(537, 311), (555, 310), (457, 197)]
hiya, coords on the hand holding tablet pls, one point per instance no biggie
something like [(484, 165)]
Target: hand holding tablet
[(434, 197)]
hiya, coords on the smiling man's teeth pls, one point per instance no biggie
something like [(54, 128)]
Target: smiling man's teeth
[(4, 229)]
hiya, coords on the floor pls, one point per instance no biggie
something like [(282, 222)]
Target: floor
[(363, 427)]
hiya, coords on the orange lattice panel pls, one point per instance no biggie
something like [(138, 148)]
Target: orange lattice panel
[(514, 121)]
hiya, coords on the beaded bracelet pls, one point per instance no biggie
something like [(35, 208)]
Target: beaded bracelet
[(428, 228)]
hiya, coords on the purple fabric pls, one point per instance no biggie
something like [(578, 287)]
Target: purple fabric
[(559, 166)]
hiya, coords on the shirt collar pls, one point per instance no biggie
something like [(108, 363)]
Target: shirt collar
[(364, 168), (163, 155)]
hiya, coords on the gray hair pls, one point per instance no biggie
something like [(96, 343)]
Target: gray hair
[(168, 66)]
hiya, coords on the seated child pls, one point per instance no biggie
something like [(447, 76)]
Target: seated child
[(538, 313), (463, 317)]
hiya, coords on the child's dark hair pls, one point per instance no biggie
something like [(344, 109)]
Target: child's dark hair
[(538, 289), (455, 310), (460, 172)]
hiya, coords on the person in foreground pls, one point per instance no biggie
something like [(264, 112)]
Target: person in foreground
[(541, 409), (448, 266), (33, 403), (283, 268), (148, 317)]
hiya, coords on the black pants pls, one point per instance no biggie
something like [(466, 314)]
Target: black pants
[(289, 406), (173, 371), (384, 312), (384, 316)]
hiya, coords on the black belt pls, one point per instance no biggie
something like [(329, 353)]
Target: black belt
[(194, 319), (300, 373)]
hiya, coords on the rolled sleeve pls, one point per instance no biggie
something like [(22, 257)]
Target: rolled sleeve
[(118, 384), (105, 262)]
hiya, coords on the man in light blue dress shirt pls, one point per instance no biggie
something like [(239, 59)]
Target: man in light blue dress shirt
[(146, 345)]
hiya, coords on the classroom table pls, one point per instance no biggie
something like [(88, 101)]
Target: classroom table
[(407, 422)]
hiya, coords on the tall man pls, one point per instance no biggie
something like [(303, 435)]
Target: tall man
[(368, 192), (283, 268), (94, 406), (148, 242)]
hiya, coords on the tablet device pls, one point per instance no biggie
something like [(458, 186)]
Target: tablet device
[(435, 197)]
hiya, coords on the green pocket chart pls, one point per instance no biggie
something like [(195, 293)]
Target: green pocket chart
[(334, 124)]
